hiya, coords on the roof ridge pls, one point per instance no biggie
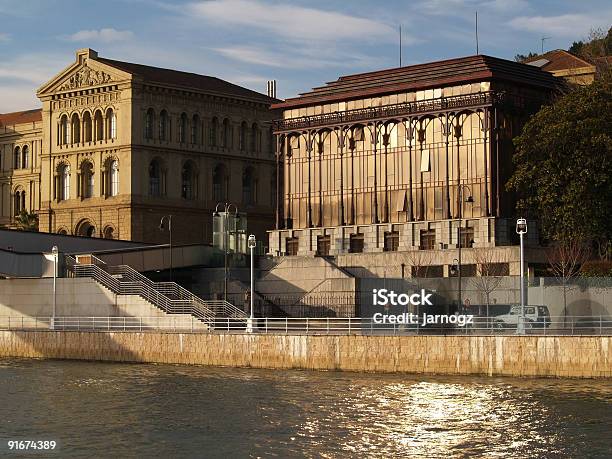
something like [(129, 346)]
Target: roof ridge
[(194, 80)]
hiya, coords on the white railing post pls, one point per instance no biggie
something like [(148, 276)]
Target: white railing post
[(600, 326)]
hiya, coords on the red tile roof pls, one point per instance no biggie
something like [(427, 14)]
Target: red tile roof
[(188, 80), (559, 59), (423, 76), (27, 116)]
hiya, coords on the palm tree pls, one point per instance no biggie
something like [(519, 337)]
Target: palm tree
[(26, 221)]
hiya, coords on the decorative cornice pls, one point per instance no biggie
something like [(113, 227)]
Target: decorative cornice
[(371, 114)]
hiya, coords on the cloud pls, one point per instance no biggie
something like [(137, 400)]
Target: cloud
[(17, 98), (4, 37), (107, 35), (291, 21), (22, 75), (565, 25), (291, 58)]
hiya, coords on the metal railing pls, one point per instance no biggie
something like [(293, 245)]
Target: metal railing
[(483, 326), (176, 292), (167, 296)]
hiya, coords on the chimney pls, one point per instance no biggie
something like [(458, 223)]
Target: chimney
[(272, 88)]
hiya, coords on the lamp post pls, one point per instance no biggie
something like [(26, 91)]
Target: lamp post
[(521, 229), (469, 199), (162, 228), (252, 244), (226, 208), (55, 253)]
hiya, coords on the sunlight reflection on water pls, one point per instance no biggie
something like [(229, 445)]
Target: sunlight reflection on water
[(180, 411)]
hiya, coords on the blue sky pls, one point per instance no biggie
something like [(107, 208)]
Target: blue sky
[(299, 43)]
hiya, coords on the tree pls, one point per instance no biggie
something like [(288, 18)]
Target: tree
[(27, 221), (419, 261), (523, 57), (598, 44), (563, 165), (491, 267), (565, 259)]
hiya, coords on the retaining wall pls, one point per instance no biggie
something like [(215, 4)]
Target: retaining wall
[(563, 356)]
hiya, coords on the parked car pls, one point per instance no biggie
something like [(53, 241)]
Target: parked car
[(535, 317)]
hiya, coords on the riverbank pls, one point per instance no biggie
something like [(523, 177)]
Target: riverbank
[(546, 356)]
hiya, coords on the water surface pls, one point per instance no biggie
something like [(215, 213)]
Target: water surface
[(125, 410)]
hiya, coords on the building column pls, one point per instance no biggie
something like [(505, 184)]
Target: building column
[(375, 218), (341, 147), (447, 135), (309, 157)]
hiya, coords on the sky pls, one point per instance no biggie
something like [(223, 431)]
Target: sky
[(301, 44)]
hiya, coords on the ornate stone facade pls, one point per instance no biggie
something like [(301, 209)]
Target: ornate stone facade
[(401, 160), (119, 145)]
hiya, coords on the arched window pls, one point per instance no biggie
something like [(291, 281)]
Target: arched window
[(254, 137), (220, 183), (149, 120), (248, 186), (75, 127), (195, 124), (87, 180), (114, 178), (25, 157), (156, 182), (98, 126), (183, 128), (188, 181), (243, 136), (18, 201), (87, 127), (226, 133), (111, 124), (63, 182), (109, 232), (85, 228), (110, 184), (17, 158), (64, 130), (62, 231), (163, 125), (214, 128)]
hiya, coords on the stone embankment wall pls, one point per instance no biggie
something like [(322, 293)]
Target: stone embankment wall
[(578, 356)]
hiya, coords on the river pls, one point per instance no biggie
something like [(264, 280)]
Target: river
[(135, 410)]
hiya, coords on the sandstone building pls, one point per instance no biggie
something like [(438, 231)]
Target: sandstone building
[(117, 146), (411, 160)]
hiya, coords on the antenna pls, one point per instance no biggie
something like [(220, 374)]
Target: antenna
[(544, 38), (400, 43), (477, 32)]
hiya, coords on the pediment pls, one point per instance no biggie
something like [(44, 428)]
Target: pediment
[(85, 73), (84, 77)]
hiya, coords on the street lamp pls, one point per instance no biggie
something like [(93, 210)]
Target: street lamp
[(55, 252), (252, 244), (162, 228), (226, 208), (470, 200), (521, 229)]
